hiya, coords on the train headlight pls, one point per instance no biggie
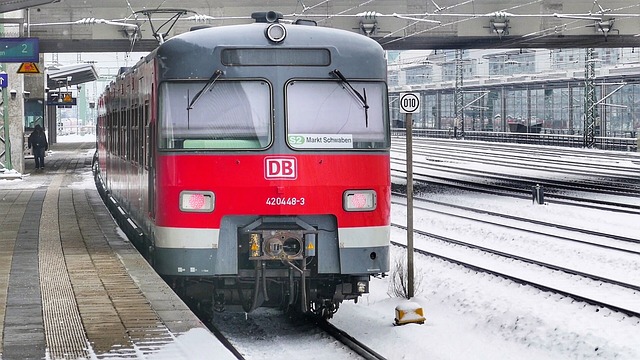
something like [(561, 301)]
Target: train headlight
[(197, 201), (276, 32), (359, 200)]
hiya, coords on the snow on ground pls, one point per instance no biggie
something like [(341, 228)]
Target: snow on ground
[(471, 315)]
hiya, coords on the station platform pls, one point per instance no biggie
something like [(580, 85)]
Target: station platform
[(71, 284)]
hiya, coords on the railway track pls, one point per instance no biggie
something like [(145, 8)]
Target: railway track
[(630, 289), (521, 224), (520, 192), (589, 179), (271, 334), (610, 186), (567, 161)]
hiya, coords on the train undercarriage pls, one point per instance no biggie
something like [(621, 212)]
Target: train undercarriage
[(277, 267), (321, 298)]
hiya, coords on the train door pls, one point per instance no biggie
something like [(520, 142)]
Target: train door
[(150, 142)]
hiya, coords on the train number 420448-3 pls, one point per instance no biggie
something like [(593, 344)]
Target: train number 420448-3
[(291, 201)]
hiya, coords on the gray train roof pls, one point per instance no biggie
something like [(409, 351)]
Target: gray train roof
[(357, 56)]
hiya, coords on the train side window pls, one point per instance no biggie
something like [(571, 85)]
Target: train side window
[(116, 133), (146, 140), (138, 144), (134, 135), (112, 137), (123, 133)]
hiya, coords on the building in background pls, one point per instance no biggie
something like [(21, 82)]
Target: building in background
[(516, 90)]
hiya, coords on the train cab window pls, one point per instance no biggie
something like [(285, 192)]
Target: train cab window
[(228, 115), (330, 115)]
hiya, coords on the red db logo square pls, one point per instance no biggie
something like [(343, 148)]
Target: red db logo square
[(282, 168)]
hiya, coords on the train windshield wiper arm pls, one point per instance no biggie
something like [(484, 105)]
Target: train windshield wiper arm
[(362, 99), (207, 86)]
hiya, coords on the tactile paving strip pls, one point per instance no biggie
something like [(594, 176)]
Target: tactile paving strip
[(64, 332), (12, 207), (65, 292), (23, 336), (135, 326)]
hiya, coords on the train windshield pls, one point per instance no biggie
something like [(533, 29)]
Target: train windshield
[(328, 115), (228, 115)]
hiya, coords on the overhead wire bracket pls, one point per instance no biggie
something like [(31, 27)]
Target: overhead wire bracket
[(168, 23)]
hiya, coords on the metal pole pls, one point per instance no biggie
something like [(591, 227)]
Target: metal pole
[(458, 104), (5, 118), (590, 115), (409, 128)]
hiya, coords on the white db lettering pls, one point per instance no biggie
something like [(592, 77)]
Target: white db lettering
[(280, 168)]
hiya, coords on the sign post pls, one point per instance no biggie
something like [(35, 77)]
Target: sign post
[(5, 121), (409, 104), (13, 50)]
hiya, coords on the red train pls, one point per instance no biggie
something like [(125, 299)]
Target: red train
[(250, 163)]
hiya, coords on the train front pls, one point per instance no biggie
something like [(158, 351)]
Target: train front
[(272, 172)]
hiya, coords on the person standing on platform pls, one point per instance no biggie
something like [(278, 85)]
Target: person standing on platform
[(38, 140)]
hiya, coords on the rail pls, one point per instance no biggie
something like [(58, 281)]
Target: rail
[(565, 140)]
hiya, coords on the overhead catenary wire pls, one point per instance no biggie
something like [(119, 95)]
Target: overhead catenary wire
[(595, 13)]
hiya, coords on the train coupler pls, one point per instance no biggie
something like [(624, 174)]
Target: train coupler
[(303, 284), (218, 303)]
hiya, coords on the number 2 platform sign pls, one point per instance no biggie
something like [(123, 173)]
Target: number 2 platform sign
[(18, 50)]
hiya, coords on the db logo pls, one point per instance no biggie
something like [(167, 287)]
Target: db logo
[(284, 168)]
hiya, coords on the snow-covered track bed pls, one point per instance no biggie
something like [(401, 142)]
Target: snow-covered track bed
[(270, 334), (587, 287)]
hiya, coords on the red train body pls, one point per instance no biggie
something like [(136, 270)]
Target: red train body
[(254, 180)]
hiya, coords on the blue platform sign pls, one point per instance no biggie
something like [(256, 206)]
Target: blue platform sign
[(4, 80), (18, 50)]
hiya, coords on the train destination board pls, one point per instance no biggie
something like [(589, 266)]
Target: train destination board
[(19, 50)]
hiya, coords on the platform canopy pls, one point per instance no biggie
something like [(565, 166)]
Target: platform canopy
[(9, 5), (68, 75)]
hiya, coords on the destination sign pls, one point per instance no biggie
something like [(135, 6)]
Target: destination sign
[(18, 50)]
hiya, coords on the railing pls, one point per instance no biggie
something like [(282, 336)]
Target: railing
[(576, 141)]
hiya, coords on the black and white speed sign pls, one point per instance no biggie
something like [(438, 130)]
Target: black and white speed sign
[(409, 103)]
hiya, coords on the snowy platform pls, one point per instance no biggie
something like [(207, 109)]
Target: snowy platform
[(72, 286)]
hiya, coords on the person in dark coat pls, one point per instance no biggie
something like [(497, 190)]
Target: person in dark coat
[(38, 140)]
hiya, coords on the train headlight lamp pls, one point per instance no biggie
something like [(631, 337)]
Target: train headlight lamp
[(359, 200), (197, 201), (276, 32)]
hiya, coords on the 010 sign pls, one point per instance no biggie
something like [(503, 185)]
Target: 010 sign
[(409, 103)]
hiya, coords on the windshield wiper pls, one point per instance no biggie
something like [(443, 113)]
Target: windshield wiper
[(207, 86), (362, 99)]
